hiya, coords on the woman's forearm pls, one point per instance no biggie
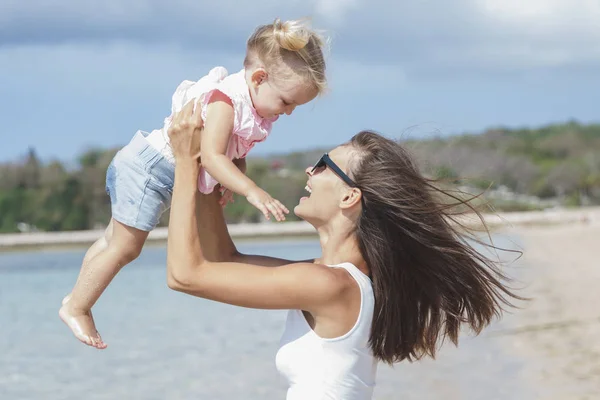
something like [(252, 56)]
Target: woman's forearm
[(184, 254), (212, 230)]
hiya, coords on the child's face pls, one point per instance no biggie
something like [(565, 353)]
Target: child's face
[(273, 98)]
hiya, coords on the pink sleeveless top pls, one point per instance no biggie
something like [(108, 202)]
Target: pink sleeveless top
[(249, 128)]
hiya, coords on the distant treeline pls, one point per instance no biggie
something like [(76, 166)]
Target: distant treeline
[(560, 162)]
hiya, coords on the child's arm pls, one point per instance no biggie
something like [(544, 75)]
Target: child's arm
[(214, 141), (226, 194)]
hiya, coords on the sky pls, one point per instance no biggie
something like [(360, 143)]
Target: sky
[(76, 75)]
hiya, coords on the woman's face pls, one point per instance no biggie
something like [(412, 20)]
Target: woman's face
[(325, 189)]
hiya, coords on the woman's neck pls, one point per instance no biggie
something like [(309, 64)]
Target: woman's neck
[(339, 244)]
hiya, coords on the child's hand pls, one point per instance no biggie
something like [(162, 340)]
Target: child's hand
[(226, 197), (265, 203)]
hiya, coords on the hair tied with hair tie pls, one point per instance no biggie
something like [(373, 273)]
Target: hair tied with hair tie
[(277, 25), (291, 35)]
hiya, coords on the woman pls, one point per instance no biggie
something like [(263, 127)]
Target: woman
[(395, 277)]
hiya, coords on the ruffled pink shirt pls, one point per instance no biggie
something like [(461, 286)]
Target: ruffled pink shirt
[(249, 128)]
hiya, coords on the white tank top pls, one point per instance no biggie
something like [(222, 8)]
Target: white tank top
[(341, 368)]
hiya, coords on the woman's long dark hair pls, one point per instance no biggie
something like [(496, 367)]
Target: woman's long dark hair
[(427, 279)]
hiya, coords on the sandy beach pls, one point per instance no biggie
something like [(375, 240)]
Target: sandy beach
[(558, 332)]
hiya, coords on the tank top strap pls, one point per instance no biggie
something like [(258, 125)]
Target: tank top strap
[(356, 273)]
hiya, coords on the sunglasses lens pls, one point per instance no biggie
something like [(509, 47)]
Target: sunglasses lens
[(319, 164)]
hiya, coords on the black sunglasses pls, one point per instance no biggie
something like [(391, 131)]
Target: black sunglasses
[(326, 161)]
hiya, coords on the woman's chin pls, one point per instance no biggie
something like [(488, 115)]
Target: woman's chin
[(298, 208)]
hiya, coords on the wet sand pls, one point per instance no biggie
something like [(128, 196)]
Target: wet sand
[(558, 331)]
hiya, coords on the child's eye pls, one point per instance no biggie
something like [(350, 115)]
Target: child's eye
[(285, 103)]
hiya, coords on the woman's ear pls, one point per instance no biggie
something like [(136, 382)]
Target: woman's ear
[(351, 198)]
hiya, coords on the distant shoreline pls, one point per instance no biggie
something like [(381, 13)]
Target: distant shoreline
[(37, 240), (287, 230)]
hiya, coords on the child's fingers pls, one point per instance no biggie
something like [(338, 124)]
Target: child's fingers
[(280, 209), (264, 210), (277, 213), (281, 206)]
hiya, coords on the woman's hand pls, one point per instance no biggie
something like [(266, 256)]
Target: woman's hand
[(226, 197), (184, 132)]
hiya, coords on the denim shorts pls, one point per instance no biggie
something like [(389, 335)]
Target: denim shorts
[(139, 181)]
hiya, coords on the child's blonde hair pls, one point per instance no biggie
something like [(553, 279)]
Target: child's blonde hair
[(293, 43)]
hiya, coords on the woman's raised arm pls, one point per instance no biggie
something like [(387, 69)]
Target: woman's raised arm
[(257, 284)]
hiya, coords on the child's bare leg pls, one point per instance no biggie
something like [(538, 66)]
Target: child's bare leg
[(105, 261), (95, 249)]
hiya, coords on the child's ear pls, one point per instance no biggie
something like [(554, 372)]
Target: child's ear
[(259, 76)]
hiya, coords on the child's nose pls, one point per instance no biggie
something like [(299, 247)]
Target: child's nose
[(290, 109)]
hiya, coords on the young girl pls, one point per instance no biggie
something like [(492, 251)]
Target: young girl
[(284, 68)]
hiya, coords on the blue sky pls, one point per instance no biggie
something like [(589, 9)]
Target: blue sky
[(79, 74)]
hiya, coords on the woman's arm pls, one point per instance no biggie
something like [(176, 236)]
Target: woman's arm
[(304, 286), (216, 241)]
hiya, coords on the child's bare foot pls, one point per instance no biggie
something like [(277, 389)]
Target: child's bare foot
[(81, 324)]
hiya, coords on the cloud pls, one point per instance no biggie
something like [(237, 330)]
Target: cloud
[(355, 77), (541, 33), (424, 38), (545, 16), (335, 10), (462, 36), (193, 22)]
